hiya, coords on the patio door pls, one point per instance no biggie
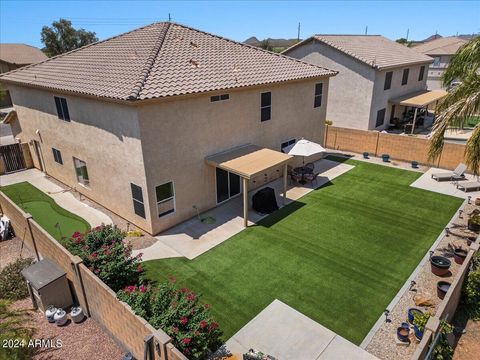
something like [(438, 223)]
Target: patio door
[(228, 185)]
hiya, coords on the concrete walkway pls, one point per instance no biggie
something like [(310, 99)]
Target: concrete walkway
[(444, 187), (193, 237), (285, 333), (63, 198)]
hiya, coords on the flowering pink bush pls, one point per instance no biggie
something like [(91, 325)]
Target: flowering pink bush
[(179, 314), (104, 253)]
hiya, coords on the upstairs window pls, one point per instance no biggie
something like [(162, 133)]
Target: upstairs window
[(62, 108), (165, 199), (436, 61), (219, 97), (318, 95), (137, 196), (266, 106), (57, 155), (380, 117), (422, 73), (388, 80), (286, 144), (405, 76)]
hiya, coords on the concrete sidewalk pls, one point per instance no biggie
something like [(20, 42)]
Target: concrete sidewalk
[(283, 332), (193, 237), (63, 198)]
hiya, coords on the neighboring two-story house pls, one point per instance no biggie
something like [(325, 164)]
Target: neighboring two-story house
[(375, 77), (441, 50), (14, 56), (156, 120)]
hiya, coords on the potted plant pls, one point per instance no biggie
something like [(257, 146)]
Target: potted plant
[(442, 288), (474, 223), (411, 313), (459, 255), (403, 332), (419, 322), (440, 265)]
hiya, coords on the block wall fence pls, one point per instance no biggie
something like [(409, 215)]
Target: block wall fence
[(130, 331), (399, 147)]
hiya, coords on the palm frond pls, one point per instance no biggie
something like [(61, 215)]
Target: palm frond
[(464, 62)]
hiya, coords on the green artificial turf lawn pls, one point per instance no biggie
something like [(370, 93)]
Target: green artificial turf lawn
[(338, 255), (45, 211)]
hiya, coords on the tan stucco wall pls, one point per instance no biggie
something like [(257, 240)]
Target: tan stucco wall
[(178, 135), (381, 97), (103, 134), (350, 90)]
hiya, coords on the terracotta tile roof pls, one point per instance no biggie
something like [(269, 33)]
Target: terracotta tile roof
[(21, 54), (373, 50), (159, 60), (443, 46)]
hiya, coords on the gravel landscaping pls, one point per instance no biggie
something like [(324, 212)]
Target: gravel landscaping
[(384, 344)]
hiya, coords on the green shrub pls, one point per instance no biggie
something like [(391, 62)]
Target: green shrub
[(443, 350), (12, 284), (421, 320), (474, 220), (12, 329), (104, 253), (179, 313), (139, 298), (472, 293)]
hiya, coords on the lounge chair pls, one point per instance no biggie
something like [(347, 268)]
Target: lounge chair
[(469, 186), (455, 175)]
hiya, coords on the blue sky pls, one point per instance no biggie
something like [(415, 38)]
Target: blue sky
[(21, 21)]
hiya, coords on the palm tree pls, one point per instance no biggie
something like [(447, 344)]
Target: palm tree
[(461, 103), (13, 328)]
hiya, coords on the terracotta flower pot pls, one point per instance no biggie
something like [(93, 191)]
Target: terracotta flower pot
[(459, 255), (440, 265)]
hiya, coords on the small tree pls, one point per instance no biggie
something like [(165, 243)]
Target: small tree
[(61, 37), (104, 253)]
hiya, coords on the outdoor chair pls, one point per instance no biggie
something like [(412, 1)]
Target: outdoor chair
[(455, 175), (295, 177), (469, 186), (310, 166), (311, 177)]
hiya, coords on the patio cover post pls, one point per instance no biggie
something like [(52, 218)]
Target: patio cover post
[(245, 202), (285, 171), (414, 120)]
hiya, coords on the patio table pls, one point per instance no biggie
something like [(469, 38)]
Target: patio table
[(303, 170)]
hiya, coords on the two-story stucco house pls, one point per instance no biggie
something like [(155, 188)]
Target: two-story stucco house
[(441, 50), (374, 73), (156, 120)]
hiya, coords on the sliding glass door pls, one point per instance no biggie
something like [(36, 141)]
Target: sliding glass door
[(228, 185)]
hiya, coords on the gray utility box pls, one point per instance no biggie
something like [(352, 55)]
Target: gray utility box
[(48, 285)]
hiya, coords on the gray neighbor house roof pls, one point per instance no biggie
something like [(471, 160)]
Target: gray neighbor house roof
[(160, 60), (21, 54), (442, 46), (374, 50)]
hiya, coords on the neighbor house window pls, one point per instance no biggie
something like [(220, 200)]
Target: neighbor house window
[(388, 80), (57, 155), (137, 196), (219, 97), (405, 76), (62, 108), (422, 73), (266, 106), (380, 117), (436, 61), (165, 199), (81, 171), (287, 143), (318, 95)]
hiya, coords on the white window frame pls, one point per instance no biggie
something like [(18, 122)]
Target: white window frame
[(173, 197), (76, 175)]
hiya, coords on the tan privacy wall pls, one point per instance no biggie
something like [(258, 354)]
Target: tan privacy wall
[(96, 298), (399, 147)]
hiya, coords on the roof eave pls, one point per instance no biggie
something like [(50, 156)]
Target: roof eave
[(381, 68)]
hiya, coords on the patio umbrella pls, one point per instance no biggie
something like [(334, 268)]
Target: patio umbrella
[(304, 148)]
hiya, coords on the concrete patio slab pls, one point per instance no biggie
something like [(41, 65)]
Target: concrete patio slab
[(192, 237), (63, 198), (285, 333), (444, 187)]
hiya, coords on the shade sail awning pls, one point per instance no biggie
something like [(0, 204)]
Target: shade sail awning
[(248, 161), (420, 99)]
